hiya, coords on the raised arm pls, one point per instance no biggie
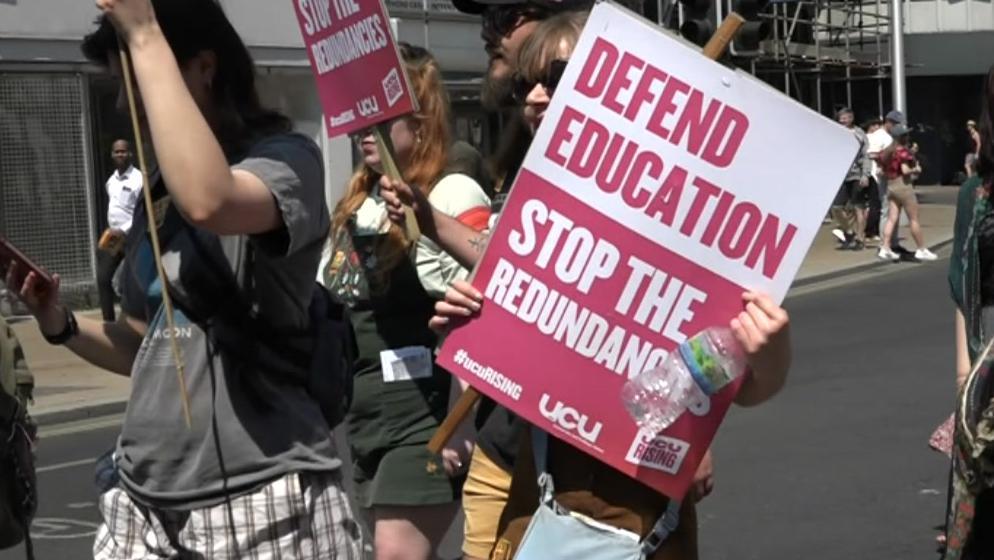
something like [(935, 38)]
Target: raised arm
[(203, 186)]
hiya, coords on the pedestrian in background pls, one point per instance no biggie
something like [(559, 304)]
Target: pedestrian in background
[(900, 166), (879, 141), (124, 188), (400, 395), (852, 202), (970, 163), (873, 216)]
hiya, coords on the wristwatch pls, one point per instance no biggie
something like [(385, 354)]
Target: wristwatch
[(71, 329)]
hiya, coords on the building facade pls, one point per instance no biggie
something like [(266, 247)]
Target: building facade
[(949, 46)]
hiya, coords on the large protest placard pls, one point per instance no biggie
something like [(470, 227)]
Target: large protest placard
[(361, 80), (659, 187)]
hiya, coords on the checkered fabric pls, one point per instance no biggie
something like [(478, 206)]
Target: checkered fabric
[(299, 516)]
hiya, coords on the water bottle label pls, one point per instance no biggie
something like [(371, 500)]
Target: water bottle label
[(706, 370)]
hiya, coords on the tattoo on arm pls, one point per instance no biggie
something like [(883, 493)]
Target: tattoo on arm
[(479, 243)]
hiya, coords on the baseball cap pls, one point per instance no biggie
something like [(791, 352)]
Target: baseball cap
[(898, 130), (475, 7), (896, 117)]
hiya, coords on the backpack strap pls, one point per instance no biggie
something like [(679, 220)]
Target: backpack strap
[(291, 345), (663, 528)]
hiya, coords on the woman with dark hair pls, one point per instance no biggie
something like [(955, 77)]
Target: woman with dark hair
[(400, 396), (242, 221), (970, 525)]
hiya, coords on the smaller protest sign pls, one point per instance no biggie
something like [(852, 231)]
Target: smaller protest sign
[(360, 77)]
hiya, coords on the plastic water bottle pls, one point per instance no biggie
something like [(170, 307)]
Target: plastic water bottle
[(699, 367)]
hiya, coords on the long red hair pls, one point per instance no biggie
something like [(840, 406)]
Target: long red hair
[(428, 159)]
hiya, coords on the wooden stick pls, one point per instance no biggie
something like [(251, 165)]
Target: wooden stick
[(459, 412), (385, 148), (154, 234), (714, 48)]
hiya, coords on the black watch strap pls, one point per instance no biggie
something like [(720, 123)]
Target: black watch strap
[(71, 330)]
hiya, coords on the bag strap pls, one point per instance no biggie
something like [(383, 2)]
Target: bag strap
[(663, 528), (661, 531), (540, 450)]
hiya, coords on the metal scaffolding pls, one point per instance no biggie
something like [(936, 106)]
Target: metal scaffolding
[(816, 48), (821, 46)]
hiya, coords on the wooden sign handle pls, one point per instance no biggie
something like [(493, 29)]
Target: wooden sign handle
[(385, 148), (153, 231), (459, 412), (714, 48)]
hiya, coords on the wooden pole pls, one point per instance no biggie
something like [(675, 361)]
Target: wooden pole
[(153, 231), (714, 48), (385, 148)]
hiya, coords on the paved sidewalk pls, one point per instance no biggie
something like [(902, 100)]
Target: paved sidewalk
[(70, 389), (937, 215)]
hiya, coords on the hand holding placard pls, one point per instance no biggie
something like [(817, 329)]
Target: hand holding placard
[(651, 200), (390, 169), (713, 49)]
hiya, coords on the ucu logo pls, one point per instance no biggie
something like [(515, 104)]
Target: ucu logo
[(368, 106), (570, 419)]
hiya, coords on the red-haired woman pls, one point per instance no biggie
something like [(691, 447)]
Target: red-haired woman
[(401, 397)]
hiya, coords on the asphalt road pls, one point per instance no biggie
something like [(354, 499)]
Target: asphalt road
[(67, 515), (836, 467)]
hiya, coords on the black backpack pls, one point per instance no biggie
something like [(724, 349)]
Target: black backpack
[(321, 357)]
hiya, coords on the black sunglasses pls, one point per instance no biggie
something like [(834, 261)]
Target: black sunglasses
[(553, 75), (500, 21)]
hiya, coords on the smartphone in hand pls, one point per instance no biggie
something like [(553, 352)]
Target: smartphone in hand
[(10, 254)]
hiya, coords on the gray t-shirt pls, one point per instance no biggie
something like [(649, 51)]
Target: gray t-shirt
[(250, 425)]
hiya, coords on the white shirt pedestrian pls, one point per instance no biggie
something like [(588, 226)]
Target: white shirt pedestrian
[(878, 141), (123, 190)]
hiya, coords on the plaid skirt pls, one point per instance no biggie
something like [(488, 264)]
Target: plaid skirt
[(302, 515)]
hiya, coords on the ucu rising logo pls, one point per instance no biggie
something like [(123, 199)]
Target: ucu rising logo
[(570, 419), (657, 452), (368, 106)]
